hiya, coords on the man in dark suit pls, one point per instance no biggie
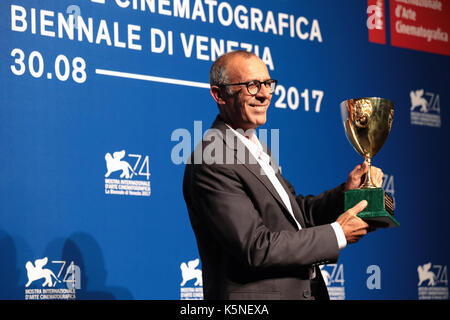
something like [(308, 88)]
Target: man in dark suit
[(257, 239)]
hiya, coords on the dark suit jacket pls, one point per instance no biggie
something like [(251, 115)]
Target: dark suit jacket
[(249, 245)]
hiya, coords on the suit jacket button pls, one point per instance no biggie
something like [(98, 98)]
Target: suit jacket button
[(306, 293)]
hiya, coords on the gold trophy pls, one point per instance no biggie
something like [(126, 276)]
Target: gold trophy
[(367, 123)]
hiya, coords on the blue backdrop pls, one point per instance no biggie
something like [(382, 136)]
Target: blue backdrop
[(102, 101)]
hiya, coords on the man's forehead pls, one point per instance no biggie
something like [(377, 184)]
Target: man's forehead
[(244, 69)]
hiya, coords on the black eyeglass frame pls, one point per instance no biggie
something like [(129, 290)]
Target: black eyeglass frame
[(256, 82)]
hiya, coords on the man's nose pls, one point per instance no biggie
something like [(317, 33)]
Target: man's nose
[(264, 92)]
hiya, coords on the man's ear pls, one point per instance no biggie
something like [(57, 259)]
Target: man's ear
[(217, 95)]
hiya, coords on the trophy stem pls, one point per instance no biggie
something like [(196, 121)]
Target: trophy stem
[(368, 181)]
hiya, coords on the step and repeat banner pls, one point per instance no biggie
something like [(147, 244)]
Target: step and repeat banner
[(102, 101)]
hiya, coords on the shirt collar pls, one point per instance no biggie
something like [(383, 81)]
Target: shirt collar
[(250, 140)]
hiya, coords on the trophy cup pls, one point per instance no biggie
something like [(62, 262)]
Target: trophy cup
[(367, 123)]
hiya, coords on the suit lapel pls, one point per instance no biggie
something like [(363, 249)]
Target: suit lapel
[(294, 204), (247, 159), (292, 197)]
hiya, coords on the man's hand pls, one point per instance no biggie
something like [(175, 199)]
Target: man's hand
[(354, 228), (358, 175)]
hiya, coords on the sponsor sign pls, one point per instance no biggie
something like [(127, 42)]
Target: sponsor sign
[(376, 21), (421, 25)]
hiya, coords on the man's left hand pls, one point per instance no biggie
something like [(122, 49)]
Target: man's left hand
[(358, 175)]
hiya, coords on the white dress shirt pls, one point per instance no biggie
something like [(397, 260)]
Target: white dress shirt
[(256, 149)]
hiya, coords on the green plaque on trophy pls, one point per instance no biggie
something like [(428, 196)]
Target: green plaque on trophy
[(367, 123), (380, 206)]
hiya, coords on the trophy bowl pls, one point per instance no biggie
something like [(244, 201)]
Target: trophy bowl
[(367, 123)]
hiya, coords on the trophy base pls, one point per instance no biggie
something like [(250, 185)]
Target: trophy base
[(379, 212)]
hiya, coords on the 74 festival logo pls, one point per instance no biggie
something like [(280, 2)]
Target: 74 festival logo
[(46, 277), (127, 168)]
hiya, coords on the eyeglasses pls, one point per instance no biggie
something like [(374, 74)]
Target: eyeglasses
[(254, 86)]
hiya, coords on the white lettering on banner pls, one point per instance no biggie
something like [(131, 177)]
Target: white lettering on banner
[(292, 97), (210, 49), (72, 25), (405, 13), (106, 33), (241, 16), (158, 41), (36, 66), (421, 32), (430, 4), (65, 27)]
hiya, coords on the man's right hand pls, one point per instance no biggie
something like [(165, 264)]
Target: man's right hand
[(354, 228)]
